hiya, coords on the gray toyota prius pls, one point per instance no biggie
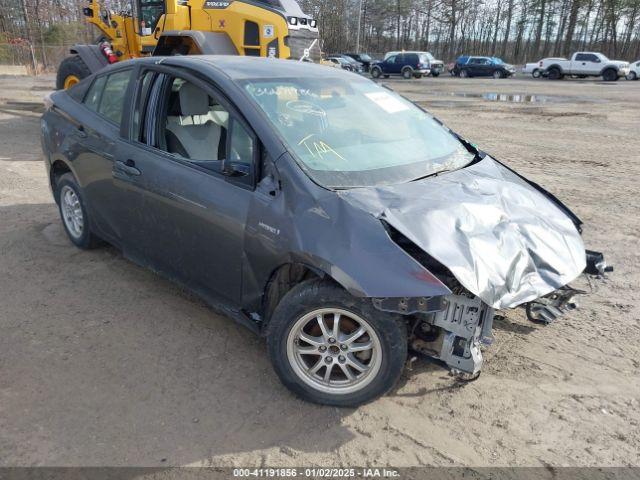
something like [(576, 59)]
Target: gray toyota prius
[(316, 207)]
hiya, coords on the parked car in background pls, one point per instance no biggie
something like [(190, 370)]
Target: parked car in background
[(355, 65), (324, 212), (436, 67), (634, 71), (538, 69), (363, 58), (406, 64), (483, 67), (588, 64), (340, 62)]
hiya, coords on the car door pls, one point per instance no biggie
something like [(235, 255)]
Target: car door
[(584, 64), (388, 64), (190, 158), (96, 133), (398, 63), (473, 66)]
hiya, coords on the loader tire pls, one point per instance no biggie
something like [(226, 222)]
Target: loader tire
[(72, 69)]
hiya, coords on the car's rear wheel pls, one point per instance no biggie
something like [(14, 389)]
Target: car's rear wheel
[(464, 74), (407, 73), (74, 213), (71, 71), (330, 347), (554, 74), (417, 75)]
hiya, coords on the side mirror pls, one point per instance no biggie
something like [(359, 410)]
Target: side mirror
[(232, 169)]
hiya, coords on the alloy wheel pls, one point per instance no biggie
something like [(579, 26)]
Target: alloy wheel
[(334, 351), (71, 212)]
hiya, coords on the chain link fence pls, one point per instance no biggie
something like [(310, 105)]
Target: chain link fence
[(28, 59)]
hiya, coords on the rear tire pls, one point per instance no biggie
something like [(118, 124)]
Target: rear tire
[(71, 71), (464, 74), (376, 72), (555, 74), (73, 213), (381, 349), (610, 75), (407, 73)]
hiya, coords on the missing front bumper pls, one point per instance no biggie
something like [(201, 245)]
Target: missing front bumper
[(454, 334)]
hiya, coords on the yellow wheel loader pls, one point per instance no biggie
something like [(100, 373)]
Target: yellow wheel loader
[(262, 28)]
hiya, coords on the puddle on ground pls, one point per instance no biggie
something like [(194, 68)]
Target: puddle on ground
[(513, 97)]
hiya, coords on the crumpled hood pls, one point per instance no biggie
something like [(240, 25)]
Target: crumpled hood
[(502, 239)]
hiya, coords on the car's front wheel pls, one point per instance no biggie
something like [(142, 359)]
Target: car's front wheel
[(536, 73), (464, 74), (498, 74), (632, 76), (330, 347), (73, 212), (376, 72)]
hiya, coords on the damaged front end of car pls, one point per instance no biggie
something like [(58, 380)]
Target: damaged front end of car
[(495, 240)]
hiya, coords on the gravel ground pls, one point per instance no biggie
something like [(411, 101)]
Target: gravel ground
[(105, 363)]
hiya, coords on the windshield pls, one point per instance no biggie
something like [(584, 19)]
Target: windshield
[(352, 133)]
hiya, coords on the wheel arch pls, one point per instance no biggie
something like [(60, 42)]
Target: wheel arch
[(91, 56), (556, 66), (609, 67), (58, 168)]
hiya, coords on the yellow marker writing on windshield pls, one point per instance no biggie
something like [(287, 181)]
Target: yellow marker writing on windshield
[(318, 148)]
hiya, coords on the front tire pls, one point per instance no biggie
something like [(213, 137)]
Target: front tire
[(536, 73), (498, 74), (610, 75), (464, 74), (332, 348), (435, 74), (73, 212), (376, 72), (71, 71), (632, 76)]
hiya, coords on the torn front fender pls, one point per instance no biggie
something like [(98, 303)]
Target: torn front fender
[(502, 239)]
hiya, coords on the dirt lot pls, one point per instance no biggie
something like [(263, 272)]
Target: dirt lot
[(104, 363)]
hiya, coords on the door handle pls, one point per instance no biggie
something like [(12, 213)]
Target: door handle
[(80, 131), (128, 167)]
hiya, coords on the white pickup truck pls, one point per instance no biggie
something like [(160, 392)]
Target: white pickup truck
[(588, 64)]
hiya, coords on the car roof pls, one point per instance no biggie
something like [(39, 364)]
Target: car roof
[(237, 67)]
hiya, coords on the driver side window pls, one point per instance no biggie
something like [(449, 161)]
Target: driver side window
[(185, 121)]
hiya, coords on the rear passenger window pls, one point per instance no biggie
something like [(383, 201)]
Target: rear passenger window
[(112, 102), (92, 99)]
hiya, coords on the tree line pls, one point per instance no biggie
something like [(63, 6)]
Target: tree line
[(517, 31)]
